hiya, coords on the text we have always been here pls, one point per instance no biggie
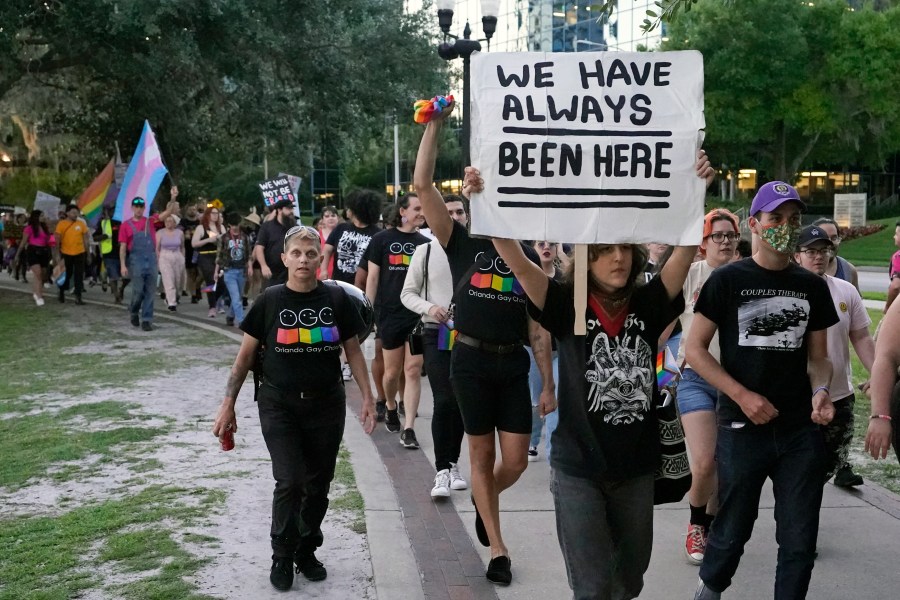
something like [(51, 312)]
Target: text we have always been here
[(586, 148)]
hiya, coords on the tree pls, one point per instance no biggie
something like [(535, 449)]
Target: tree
[(218, 79), (787, 83)]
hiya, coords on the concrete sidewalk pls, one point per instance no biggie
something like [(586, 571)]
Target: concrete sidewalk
[(425, 549)]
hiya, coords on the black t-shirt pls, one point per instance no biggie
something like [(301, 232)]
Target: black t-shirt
[(763, 317), (392, 250), (271, 238), (490, 305), (303, 343), (607, 383), (349, 243), (188, 226)]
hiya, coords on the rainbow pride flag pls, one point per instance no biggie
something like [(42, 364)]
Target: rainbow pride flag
[(90, 202), (446, 336), (667, 370), (143, 177)]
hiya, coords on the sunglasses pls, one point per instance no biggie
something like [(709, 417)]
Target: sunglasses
[(303, 231)]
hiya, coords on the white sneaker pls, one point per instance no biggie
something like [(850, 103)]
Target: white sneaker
[(346, 373), (441, 487), (533, 454), (456, 480), (38, 300)]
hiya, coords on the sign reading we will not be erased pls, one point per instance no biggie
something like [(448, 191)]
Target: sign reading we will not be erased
[(275, 190), (587, 148)]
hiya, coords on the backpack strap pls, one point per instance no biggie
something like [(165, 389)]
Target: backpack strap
[(268, 298)]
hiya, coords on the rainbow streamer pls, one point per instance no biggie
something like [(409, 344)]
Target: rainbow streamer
[(667, 371), (446, 336), (143, 177), (424, 110), (90, 202)]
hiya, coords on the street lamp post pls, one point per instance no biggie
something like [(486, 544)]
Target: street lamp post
[(464, 47)]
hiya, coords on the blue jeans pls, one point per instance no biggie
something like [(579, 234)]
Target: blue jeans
[(234, 281), (535, 385), (794, 459), (605, 531)]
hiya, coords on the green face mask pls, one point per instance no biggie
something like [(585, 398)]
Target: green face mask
[(782, 238)]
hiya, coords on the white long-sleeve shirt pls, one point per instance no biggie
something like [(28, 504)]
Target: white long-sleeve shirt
[(440, 282)]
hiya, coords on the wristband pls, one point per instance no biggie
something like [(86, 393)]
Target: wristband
[(821, 388), (885, 417)]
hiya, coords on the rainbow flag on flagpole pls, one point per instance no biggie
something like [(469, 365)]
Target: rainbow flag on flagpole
[(90, 202), (143, 177)]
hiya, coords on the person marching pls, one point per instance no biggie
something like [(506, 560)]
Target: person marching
[(267, 250), (137, 255), (773, 382), (428, 291), (696, 398), (206, 241), (107, 233), (815, 250), (302, 327), (170, 253), (489, 365), (73, 240), (389, 255), (36, 245), (233, 260)]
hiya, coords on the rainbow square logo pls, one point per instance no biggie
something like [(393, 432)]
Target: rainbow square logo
[(301, 335), (399, 259), (485, 281)]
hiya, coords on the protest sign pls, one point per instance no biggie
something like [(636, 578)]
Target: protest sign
[(294, 182), (47, 204), (587, 148), (275, 190)]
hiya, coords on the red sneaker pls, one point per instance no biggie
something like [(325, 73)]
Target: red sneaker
[(695, 544)]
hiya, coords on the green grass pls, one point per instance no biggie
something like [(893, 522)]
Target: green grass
[(885, 473), (872, 250), (349, 500), (878, 296), (47, 558)]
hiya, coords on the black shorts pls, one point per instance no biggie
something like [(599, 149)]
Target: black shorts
[(394, 329), (491, 389), (37, 255)]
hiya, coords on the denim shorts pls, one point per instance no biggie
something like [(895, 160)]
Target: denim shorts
[(695, 394)]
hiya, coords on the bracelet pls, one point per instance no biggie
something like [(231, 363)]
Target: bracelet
[(821, 388), (885, 417)]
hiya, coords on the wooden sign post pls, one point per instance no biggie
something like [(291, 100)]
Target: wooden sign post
[(581, 288)]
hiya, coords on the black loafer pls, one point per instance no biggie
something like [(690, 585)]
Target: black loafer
[(498, 570), (480, 531)]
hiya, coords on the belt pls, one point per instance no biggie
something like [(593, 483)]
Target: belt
[(486, 346), (431, 326)]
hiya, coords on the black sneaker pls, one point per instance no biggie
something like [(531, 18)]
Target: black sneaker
[(480, 531), (401, 408), (498, 570), (146, 326), (380, 410), (173, 308), (282, 574), (845, 477), (229, 321), (408, 439), (311, 568), (392, 421), (135, 320)]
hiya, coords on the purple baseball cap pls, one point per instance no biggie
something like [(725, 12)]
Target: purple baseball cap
[(772, 195)]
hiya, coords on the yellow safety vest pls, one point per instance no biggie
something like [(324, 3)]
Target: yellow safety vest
[(106, 245)]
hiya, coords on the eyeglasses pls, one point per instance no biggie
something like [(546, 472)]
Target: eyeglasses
[(814, 252), (720, 237)]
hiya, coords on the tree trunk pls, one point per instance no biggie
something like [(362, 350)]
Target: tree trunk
[(778, 154), (801, 156)]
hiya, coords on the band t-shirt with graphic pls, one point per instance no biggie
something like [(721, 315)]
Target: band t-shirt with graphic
[(234, 251), (490, 306), (607, 382), (349, 243), (392, 251), (303, 345), (762, 318)]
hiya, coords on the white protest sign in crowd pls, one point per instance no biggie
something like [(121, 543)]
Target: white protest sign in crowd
[(586, 148)]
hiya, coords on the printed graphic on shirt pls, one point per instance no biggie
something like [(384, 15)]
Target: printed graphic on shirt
[(777, 322), (620, 373), (494, 274), (399, 255), (236, 248), (350, 248), (307, 326)]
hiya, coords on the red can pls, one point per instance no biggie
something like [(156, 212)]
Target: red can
[(227, 440)]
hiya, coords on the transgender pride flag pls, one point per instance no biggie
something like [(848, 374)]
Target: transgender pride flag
[(144, 174)]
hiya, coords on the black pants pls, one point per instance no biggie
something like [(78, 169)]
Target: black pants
[(206, 263), (446, 422), (303, 437), (74, 270), (839, 435)]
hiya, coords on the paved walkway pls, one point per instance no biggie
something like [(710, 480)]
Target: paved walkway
[(424, 549)]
